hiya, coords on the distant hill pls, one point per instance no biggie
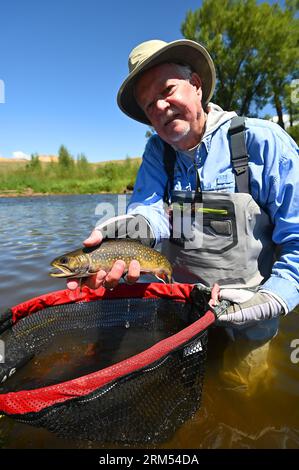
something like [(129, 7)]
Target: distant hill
[(130, 159), (42, 158), (54, 158), (48, 158)]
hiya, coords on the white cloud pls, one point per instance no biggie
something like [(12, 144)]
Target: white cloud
[(20, 155)]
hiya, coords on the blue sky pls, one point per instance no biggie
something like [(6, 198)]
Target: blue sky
[(62, 62)]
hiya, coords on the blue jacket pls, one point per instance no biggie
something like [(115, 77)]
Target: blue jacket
[(274, 185)]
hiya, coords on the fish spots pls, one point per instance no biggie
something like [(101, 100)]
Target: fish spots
[(105, 255)]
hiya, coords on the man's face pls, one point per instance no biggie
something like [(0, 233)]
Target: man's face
[(172, 104)]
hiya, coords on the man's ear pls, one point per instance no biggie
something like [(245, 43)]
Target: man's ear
[(196, 81)]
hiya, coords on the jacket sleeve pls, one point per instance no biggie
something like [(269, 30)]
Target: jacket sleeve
[(276, 189), (147, 197)]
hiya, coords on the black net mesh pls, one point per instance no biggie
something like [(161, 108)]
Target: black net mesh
[(66, 342)]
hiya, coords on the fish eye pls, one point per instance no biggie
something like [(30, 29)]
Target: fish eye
[(64, 260)]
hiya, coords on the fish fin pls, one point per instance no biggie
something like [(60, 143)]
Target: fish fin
[(160, 279), (164, 277)]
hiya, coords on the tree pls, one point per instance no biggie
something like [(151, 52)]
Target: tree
[(34, 163), (294, 132), (82, 163), (291, 99), (65, 160), (149, 132), (254, 48), (283, 57)]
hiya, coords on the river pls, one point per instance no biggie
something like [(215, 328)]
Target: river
[(34, 230)]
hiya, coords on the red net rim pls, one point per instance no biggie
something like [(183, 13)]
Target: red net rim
[(177, 292)]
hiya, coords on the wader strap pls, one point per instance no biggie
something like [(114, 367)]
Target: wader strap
[(169, 158), (239, 155), (239, 159)]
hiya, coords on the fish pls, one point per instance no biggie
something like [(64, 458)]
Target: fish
[(85, 262)]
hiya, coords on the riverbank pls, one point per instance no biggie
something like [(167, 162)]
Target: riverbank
[(28, 180), (28, 192)]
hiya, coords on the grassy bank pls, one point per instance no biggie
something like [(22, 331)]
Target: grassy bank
[(26, 178)]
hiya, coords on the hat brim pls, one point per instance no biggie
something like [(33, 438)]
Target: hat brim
[(180, 51)]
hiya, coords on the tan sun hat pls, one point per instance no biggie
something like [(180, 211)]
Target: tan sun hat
[(155, 52)]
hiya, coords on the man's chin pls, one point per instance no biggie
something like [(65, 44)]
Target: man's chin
[(175, 137)]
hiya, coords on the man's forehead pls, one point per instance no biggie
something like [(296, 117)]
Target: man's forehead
[(157, 76), (165, 70)]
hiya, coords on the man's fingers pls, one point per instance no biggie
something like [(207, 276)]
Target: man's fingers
[(93, 281), (133, 272), (109, 280), (94, 238), (72, 284), (113, 277), (97, 280)]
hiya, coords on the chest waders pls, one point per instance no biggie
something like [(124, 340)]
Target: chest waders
[(219, 236)]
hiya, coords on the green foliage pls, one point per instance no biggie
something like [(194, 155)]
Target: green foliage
[(65, 159), (117, 177), (254, 48), (34, 164), (128, 161), (291, 94), (294, 132), (69, 178), (83, 168), (149, 132)]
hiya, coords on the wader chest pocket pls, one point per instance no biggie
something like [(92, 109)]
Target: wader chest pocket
[(220, 227), (215, 221)]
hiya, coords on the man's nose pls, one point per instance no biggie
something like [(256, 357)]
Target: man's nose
[(161, 104)]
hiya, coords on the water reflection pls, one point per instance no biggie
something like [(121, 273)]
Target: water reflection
[(35, 230)]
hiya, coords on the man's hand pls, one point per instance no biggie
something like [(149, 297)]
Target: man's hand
[(128, 226), (249, 307)]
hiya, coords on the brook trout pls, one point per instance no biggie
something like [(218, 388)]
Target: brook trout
[(85, 262)]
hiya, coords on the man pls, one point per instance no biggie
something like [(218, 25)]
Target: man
[(248, 206)]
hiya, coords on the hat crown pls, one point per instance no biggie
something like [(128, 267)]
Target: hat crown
[(143, 51)]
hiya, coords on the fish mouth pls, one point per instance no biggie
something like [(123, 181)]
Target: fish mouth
[(64, 271), (61, 271)]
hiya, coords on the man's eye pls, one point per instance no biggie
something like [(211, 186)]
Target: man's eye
[(169, 89)]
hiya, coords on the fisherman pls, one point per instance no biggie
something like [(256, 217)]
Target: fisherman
[(240, 174)]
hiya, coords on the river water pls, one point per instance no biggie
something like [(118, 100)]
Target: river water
[(34, 230)]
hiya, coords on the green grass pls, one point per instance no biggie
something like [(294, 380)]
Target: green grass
[(114, 177)]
